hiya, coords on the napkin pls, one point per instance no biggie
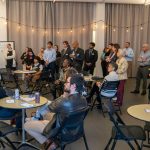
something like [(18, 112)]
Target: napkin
[(26, 105), (147, 110), (10, 101)]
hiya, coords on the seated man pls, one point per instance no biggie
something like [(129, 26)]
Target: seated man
[(112, 76), (44, 112), (34, 77), (58, 85), (74, 86), (6, 114)]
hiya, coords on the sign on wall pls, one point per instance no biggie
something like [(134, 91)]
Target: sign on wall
[(3, 47)]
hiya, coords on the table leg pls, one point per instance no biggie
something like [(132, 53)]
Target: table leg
[(23, 130)]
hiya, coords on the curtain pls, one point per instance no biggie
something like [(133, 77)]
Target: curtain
[(42, 22), (121, 16)]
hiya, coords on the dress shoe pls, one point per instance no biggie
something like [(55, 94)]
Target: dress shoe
[(143, 93), (135, 92)]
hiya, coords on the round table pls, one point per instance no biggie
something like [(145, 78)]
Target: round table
[(18, 104), (88, 78), (139, 112)]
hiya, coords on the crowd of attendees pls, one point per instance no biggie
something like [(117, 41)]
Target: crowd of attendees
[(68, 84)]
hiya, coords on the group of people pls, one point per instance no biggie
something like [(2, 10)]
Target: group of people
[(69, 63)]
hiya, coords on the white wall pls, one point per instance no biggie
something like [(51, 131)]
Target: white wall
[(3, 26), (98, 35)]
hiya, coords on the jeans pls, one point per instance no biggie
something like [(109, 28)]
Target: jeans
[(10, 113)]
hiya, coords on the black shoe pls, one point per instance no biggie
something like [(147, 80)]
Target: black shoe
[(143, 93), (135, 92)]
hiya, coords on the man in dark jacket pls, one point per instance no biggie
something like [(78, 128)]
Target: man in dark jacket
[(77, 56), (74, 85), (91, 57)]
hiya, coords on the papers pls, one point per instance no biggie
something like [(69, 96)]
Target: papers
[(26, 105), (10, 101), (147, 110)]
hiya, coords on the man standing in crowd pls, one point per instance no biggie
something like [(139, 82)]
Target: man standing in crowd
[(91, 57), (129, 55), (142, 73), (77, 56), (50, 57), (66, 51)]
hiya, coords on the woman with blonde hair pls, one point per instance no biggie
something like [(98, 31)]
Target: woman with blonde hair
[(122, 75)]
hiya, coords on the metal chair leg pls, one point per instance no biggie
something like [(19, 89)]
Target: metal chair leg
[(62, 147), (12, 145), (109, 142), (114, 144), (131, 146), (85, 141), (93, 104), (1, 142), (138, 146)]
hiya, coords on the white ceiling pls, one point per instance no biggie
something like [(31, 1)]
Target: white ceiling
[(106, 1)]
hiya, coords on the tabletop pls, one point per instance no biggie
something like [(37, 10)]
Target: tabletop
[(24, 71), (10, 103), (141, 112)]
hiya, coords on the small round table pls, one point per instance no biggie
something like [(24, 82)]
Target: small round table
[(139, 112), (18, 104)]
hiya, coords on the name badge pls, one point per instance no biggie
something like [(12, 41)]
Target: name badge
[(66, 54), (78, 54)]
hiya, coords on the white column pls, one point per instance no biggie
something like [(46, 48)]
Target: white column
[(3, 25), (98, 35)]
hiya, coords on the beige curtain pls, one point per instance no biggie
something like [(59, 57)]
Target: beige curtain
[(121, 16), (42, 15)]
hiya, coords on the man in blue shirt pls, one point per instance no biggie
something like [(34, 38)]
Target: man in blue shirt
[(50, 58), (129, 55), (143, 69)]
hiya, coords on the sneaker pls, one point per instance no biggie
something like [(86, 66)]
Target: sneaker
[(135, 92)]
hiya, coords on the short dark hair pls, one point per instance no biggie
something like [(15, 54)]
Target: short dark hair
[(114, 65), (37, 58), (117, 46), (66, 42), (57, 46), (69, 61), (128, 43), (78, 80), (92, 43), (9, 44), (70, 72), (111, 44), (50, 42)]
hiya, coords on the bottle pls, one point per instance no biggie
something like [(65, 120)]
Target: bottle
[(37, 97), (17, 95)]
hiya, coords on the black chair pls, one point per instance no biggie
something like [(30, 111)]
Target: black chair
[(147, 130), (121, 131), (43, 82), (108, 90), (6, 129), (74, 129)]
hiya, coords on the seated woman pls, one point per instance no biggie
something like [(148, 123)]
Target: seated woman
[(34, 77), (112, 76)]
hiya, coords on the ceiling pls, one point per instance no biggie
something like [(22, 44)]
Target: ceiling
[(106, 1)]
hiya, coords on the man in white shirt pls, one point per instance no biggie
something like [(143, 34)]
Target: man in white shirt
[(50, 58), (129, 55)]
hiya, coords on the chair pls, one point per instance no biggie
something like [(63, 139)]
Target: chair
[(108, 90), (74, 129), (121, 131), (6, 129), (43, 81), (147, 129)]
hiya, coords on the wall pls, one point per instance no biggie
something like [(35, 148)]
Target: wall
[(3, 26), (98, 35)]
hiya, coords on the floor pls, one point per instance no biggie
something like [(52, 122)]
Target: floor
[(98, 128)]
